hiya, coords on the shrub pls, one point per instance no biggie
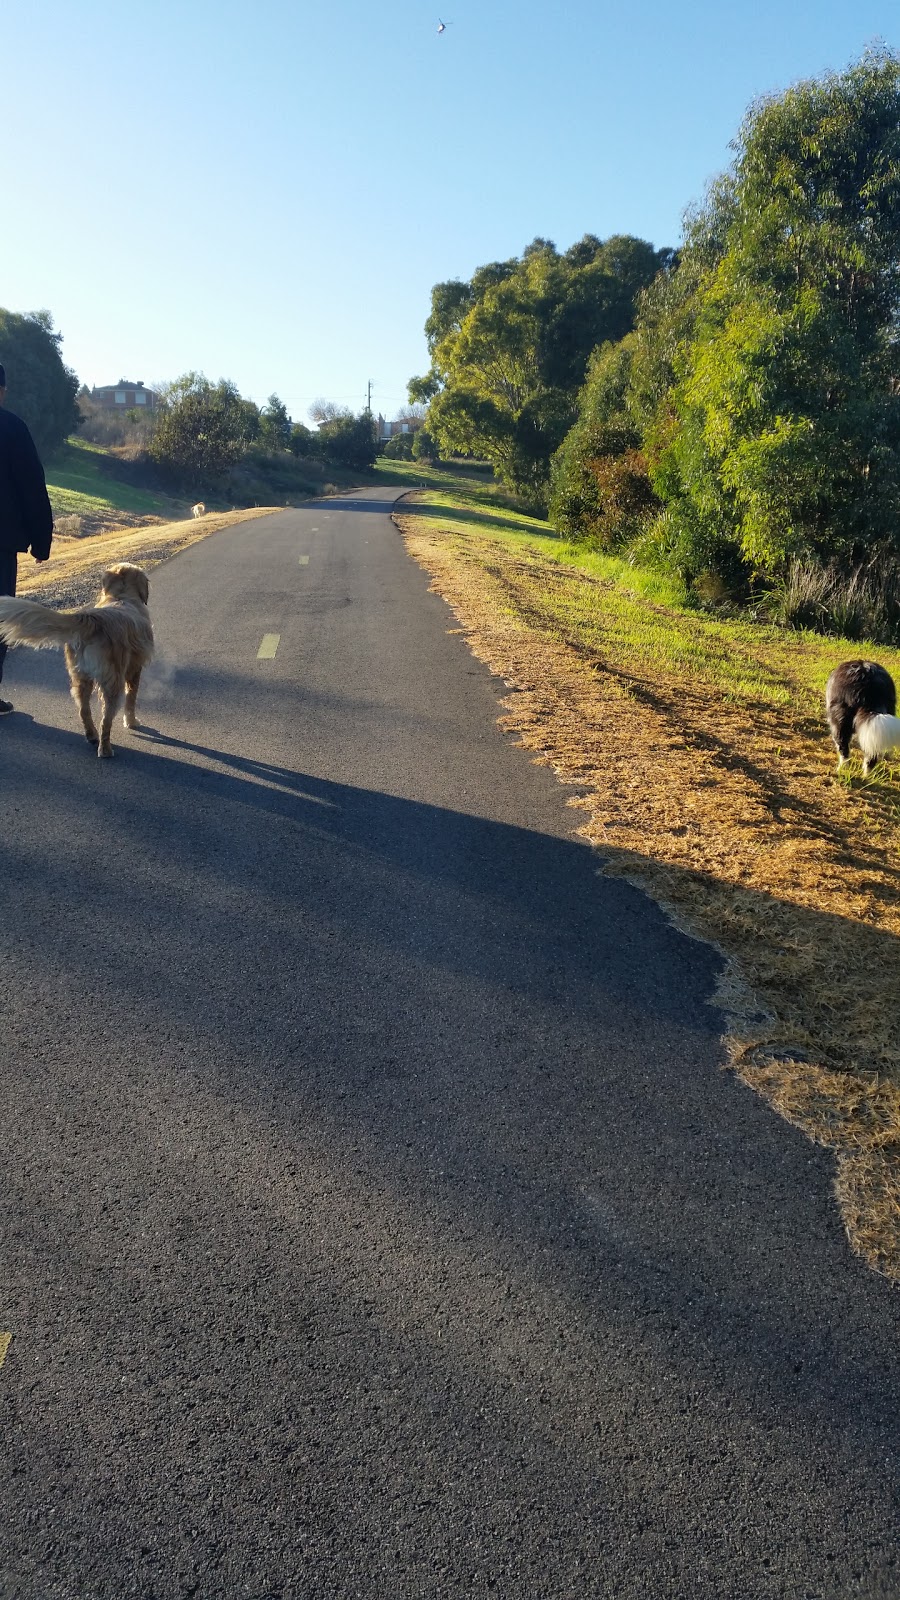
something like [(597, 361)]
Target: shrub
[(68, 527), (709, 565), (400, 447), (302, 440), (600, 486), (202, 429), (425, 446), (619, 499), (349, 441), (129, 431)]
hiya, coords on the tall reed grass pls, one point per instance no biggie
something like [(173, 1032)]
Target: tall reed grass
[(863, 604)]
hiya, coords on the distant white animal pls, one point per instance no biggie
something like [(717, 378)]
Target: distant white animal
[(198, 510)]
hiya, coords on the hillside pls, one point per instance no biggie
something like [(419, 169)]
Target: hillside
[(101, 491), (93, 490)]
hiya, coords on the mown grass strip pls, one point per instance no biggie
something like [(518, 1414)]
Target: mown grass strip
[(698, 748)]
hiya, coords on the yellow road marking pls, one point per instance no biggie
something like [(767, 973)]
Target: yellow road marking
[(5, 1342), (269, 646), (304, 561)]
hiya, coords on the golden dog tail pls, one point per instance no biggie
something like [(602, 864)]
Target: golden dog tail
[(28, 622)]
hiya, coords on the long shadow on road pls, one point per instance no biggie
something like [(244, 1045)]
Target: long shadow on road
[(518, 1054)]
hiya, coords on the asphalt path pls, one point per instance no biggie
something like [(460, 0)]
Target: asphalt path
[(376, 1216)]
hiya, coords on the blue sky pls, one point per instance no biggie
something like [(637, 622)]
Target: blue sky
[(267, 191)]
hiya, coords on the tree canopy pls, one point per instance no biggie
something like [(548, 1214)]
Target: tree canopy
[(275, 425), (510, 349), (202, 429), (348, 441), (761, 385), (41, 389), (788, 416)]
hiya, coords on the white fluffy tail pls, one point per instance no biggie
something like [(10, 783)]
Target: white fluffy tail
[(28, 622), (877, 735)]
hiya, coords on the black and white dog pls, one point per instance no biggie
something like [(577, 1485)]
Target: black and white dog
[(860, 700)]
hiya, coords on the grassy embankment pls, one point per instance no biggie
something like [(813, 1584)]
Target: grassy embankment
[(85, 481), (92, 489), (696, 748)]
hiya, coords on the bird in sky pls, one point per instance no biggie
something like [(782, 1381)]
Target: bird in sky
[(442, 26)]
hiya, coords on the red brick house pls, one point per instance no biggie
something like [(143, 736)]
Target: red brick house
[(124, 396)]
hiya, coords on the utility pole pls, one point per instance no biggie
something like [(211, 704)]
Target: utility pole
[(369, 396)]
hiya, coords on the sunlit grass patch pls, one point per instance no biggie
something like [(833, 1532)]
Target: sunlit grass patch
[(82, 482)]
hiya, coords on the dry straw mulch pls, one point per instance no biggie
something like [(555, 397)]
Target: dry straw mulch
[(738, 827)]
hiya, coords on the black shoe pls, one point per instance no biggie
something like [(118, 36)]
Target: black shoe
[(6, 706)]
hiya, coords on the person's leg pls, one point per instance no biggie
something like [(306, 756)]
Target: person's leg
[(8, 569)]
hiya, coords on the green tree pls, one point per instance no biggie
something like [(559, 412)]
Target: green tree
[(302, 440), (275, 425), (425, 447), (603, 474), (667, 314), (787, 416), (349, 441), (510, 349), (399, 447), (202, 430), (42, 390), (601, 488)]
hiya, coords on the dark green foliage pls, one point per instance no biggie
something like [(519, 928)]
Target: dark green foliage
[(349, 441), (42, 390), (302, 440), (275, 425), (399, 447), (425, 447), (262, 478), (202, 430)]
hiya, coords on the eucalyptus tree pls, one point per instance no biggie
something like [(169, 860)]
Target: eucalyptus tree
[(510, 349), (786, 404)]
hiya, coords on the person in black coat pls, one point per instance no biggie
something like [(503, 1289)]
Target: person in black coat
[(26, 520)]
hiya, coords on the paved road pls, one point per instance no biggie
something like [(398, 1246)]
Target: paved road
[(376, 1217)]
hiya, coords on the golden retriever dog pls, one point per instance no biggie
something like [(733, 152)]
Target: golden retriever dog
[(106, 646), (199, 510)]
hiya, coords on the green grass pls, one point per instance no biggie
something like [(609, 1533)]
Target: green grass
[(80, 483), (469, 482)]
